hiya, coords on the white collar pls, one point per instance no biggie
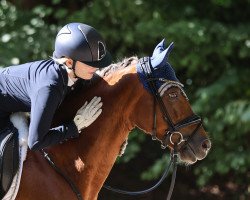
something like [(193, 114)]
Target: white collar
[(70, 82)]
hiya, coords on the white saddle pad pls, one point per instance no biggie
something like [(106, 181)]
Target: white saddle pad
[(19, 120)]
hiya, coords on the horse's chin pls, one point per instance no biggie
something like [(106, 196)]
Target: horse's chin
[(188, 156), (192, 152)]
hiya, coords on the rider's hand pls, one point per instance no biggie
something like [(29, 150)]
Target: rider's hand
[(88, 113)]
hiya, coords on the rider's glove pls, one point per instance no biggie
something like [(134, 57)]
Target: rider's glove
[(88, 113)]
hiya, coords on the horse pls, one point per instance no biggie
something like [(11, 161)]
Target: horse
[(88, 160)]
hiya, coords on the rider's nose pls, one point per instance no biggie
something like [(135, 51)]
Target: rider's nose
[(206, 145)]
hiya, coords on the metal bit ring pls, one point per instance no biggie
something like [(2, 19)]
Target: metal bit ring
[(180, 140)]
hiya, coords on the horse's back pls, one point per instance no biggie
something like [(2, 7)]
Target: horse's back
[(40, 181)]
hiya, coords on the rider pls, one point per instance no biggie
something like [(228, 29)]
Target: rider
[(39, 87)]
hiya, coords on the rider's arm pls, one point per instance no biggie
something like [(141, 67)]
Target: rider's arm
[(43, 109)]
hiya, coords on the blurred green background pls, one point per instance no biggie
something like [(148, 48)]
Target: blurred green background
[(211, 57)]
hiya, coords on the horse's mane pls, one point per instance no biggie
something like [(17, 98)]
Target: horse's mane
[(100, 74), (116, 66)]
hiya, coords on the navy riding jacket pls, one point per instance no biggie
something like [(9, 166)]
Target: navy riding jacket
[(36, 87)]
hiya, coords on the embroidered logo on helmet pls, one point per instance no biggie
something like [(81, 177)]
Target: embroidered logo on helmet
[(101, 50)]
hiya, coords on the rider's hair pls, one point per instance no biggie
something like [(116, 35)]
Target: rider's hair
[(60, 61)]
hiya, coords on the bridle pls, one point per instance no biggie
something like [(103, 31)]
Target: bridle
[(172, 135), (174, 129)]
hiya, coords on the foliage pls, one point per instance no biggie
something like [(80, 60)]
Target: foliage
[(24, 35), (211, 56)]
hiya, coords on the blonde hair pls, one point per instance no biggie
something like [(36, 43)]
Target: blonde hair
[(60, 61)]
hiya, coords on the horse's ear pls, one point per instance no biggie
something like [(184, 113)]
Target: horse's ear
[(160, 59), (159, 48)]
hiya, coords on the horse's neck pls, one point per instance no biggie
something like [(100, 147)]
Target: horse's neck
[(91, 156)]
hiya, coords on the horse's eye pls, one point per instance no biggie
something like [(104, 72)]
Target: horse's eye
[(173, 95)]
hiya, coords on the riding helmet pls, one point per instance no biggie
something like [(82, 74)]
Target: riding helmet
[(83, 43)]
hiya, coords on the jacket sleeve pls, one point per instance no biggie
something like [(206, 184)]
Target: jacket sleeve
[(43, 109)]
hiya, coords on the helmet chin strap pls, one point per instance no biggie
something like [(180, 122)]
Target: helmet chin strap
[(74, 69)]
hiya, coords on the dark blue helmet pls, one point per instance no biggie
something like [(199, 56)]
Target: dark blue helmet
[(83, 43)]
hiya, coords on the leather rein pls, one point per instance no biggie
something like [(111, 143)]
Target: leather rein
[(170, 135)]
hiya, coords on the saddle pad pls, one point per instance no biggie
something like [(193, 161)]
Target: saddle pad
[(19, 120)]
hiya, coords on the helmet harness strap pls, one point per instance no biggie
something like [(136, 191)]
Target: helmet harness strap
[(73, 68)]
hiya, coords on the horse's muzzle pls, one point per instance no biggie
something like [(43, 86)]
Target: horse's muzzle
[(195, 149)]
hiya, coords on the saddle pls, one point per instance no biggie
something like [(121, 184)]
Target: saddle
[(9, 158)]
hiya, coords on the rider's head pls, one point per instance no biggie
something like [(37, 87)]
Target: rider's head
[(82, 44)]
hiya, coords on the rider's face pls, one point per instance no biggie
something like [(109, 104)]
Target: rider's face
[(84, 71)]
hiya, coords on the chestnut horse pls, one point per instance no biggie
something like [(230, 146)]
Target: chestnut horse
[(87, 160)]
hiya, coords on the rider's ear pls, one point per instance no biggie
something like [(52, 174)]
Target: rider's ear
[(69, 62)]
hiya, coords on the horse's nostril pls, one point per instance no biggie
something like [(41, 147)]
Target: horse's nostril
[(206, 145)]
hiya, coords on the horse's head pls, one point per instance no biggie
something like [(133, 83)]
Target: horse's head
[(170, 117)]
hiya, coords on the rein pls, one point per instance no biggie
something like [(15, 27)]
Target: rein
[(173, 161), (169, 136), (59, 171)]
